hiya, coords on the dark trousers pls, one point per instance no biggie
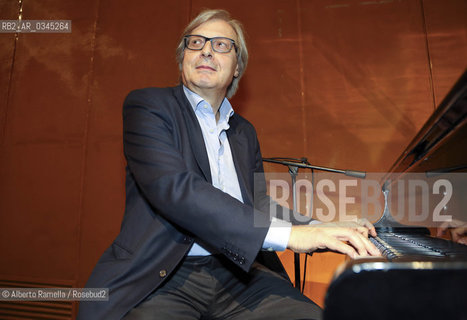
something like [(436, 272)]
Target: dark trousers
[(212, 288)]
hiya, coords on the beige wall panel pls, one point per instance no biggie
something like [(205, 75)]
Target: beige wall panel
[(42, 155), (367, 80), (446, 26), (134, 48)]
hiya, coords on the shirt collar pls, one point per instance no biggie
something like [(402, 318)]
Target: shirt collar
[(225, 110)]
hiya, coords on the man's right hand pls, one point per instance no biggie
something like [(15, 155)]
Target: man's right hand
[(350, 238)]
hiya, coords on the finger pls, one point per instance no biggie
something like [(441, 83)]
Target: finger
[(450, 224), (354, 226), (370, 247), (443, 227), (440, 231), (370, 227), (363, 231), (461, 230), (458, 233), (363, 245), (355, 239), (339, 246), (372, 230)]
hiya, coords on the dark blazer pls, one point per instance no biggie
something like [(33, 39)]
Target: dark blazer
[(170, 201)]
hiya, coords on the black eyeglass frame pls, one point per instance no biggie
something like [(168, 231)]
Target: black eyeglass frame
[(206, 39)]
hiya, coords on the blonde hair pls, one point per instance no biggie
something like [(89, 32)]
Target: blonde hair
[(241, 52)]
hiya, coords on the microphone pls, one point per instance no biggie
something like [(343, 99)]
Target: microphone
[(355, 174)]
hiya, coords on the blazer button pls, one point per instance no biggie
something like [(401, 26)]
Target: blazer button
[(162, 273)]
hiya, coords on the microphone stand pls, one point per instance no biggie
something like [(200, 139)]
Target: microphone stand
[(293, 165), (303, 163)]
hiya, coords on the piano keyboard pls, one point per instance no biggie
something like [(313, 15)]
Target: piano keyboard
[(395, 245)]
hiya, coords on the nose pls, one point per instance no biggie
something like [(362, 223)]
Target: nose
[(207, 50)]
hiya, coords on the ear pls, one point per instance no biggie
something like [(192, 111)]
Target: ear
[(236, 73)]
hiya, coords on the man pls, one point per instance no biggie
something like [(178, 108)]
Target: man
[(191, 245)]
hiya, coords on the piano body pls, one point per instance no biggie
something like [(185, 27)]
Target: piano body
[(420, 276)]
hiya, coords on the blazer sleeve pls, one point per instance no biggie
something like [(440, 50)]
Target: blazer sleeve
[(180, 195)]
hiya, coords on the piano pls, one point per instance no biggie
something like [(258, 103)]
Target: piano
[(419, 276)]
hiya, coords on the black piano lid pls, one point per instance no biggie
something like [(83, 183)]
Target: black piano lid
[(413, 287), (439, 147), (441, 144)]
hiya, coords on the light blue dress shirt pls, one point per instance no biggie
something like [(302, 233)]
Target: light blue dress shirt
[(223, 173)]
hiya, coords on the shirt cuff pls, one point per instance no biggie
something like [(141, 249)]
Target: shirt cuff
[(278, 235)]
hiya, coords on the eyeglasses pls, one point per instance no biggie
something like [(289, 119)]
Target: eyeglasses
[(218, 44)]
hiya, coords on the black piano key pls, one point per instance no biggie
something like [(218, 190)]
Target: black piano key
[(394, 245)]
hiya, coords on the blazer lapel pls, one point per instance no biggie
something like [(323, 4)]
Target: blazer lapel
[(194, 133), (237, 143)]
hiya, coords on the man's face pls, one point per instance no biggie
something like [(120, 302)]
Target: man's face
[(206, 71)]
